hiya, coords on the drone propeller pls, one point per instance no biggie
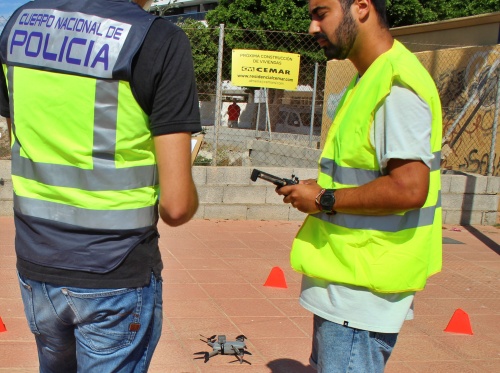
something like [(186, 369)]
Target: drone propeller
[(208, 339), (241, 338)]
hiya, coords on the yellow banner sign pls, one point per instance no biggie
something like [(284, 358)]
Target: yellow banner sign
[(265, 69)]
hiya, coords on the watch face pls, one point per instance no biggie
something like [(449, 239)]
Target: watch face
[(327, 201)]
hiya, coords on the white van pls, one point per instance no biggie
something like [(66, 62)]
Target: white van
[(297, 119)]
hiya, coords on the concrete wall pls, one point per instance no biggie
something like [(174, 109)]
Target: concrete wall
[(477, 30), (228, 193)]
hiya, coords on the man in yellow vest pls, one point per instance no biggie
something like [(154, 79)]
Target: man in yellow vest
[(102, 101), (373, 233)]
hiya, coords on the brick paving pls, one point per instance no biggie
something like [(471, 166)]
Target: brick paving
[(214, 278)]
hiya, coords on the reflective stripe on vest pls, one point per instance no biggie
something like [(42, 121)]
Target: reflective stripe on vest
[(104, 176), (357, 176), (388, 223)]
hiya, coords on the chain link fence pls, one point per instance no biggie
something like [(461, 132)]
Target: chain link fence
[(275, 127), (287, 128), (468, 82)]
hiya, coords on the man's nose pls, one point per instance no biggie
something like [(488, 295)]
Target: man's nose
[(314, 27)]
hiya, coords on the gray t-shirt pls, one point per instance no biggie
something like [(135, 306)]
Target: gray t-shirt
[(401, 130)]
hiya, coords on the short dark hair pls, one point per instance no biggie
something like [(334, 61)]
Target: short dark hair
[(379, 6)]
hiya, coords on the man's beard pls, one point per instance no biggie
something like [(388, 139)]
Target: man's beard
[(345, 34)]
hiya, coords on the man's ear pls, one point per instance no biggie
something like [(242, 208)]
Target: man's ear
[(362, 9)]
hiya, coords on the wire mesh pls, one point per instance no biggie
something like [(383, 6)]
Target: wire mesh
[(287, 128), (287, 124), (275, 129)]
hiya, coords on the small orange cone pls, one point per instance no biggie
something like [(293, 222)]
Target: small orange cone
[(276, 278), (2, 326), (459, 323)]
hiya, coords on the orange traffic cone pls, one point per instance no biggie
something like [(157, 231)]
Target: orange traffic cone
[(2, 326), (276, 278), (459, 323)]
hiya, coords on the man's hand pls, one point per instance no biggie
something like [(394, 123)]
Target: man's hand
[(302, 196)]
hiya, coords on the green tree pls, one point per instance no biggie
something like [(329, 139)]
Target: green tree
[(205, 45), (278, 25), (162, 10), (411, 12), (273, 15)]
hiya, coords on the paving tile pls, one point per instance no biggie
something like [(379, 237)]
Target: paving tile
[(217, 276), (397, 367), (436, 306), (249, 264), (232, 291), (488, 325), (192, 308), (445, 367), (268, 327), (289, 307), (171, 356), (304, 323), (214, 278), (248, 307), (238, 253), (233, 366), (298, 349), (418, 348), (17, 330), (196, 327), (433, 290), (19, 354), (174, 292), (179, 251), (289, 366), (176, 276), (471, 346)]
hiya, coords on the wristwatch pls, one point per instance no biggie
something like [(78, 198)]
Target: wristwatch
[(325, 200)]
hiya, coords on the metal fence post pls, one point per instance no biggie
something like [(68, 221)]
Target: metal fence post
[(218, 96), (268, 117), (313, 110), (495, 129)]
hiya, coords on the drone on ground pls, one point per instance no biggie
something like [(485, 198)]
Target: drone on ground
[(221, 346)]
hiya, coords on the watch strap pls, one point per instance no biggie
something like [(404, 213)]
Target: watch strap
[(318, 199)]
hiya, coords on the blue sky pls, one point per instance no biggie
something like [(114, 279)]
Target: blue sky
[(7, 7)]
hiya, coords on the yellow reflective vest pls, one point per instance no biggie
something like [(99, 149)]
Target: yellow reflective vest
[(83, 161), (387, 254)]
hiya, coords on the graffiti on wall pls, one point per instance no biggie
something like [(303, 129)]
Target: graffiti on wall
[(469, 95), (468, 83)]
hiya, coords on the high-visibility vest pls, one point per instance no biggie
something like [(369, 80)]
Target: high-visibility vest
[(83, 162), (393, 253)]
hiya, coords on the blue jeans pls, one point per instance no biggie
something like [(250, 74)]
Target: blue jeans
[(93, 330), (341, 349)]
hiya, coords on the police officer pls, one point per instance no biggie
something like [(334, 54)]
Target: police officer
[(102, 110)]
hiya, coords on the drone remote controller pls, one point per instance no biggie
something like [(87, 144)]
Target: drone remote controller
[(278, 181)]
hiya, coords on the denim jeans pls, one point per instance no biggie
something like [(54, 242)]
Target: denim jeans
[(93, 330), (341, 349)]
